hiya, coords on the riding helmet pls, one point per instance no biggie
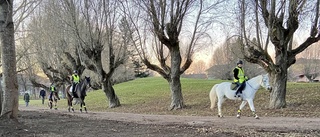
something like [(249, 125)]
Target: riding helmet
[(239, 62)]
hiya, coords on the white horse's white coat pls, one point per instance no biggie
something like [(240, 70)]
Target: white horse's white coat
[(223, 91)]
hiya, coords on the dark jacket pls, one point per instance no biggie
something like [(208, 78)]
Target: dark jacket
[(26, 97), (42, 93)]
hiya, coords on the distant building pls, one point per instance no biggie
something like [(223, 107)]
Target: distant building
[(303, 78), (299, 71)]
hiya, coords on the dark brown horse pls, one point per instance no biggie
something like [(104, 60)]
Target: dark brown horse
[(80, 94), (53, 100)]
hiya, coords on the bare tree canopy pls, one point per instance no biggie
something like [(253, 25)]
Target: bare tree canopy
[(160, 25), (224, 60), (276, 22)]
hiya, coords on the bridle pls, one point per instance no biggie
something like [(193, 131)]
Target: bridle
[(260, 83)]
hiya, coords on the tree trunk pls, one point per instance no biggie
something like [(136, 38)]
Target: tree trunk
[(176, 94), (10, 84), (109, 91), (175, 84), (279, 85), (1, 95)]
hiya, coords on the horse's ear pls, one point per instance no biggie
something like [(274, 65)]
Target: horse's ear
[(87, 78)]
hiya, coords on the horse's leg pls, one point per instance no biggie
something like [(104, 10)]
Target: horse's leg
[(240, 108), (55, 104), (252, 108), (71, 99), (50, 104), (84, 105), (220, 101), (81, 106), (70, 104)]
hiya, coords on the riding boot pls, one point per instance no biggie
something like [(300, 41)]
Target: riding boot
[(236, 94), (239, 90), (72, 93)]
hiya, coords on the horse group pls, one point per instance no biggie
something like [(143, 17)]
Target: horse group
[(220, 91), (79, 95)]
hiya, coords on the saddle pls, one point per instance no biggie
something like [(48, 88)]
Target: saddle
[(234, 86), (73, 93)]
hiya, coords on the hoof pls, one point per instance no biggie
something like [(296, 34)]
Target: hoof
[(256, 117), (220, 116), (238, 116)]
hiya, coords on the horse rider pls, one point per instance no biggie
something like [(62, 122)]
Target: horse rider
[(239, 78), (52, 90), (75, 79)]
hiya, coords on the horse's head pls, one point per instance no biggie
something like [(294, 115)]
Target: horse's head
[(265, 82), (87, 81)]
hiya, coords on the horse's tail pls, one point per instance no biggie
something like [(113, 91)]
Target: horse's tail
[(66, 91), (213, 96)]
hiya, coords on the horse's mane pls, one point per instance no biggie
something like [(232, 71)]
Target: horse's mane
[(256, 78)]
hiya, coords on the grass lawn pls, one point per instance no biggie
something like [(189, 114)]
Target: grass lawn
[(152, 96)]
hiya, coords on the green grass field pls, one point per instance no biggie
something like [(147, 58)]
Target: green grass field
[(152, 96)]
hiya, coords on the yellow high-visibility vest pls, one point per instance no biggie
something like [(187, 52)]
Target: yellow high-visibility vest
[(241, 76), (76, 78)]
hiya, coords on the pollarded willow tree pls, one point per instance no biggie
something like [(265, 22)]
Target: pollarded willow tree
[(101, 39), (277, 22), (173, 29), (53, 44)]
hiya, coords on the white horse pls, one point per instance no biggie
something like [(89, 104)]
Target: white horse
[(223, 91)]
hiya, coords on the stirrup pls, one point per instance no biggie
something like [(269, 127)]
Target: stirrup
[(237, 95)]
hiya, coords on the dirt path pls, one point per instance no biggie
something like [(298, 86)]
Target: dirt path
[(128, 124)]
